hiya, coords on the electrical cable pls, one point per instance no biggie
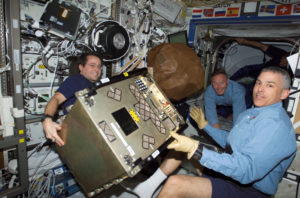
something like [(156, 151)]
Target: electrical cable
[(45, 63), (7, 66), (42, 187), (162, 40), (38, 147), (4, 178), (37, 183), (41, 152), (12, 181), (294, 92), (31, 37), (46, 54), (54, 74), (295, 45), (105, 7), (27, 71), (39, 165), (43, 165)]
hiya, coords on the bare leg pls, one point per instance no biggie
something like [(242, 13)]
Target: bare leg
[(197, 166), (186, 186), (172, 162)]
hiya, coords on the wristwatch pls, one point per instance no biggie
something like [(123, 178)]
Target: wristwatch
[(47, 116), (198, 154)]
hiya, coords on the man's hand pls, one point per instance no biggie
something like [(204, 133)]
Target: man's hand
[(252, 43), (51, 129), (183, 144), (241, 41), (198, 115)]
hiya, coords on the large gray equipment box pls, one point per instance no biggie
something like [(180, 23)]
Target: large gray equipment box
[(114, 128)]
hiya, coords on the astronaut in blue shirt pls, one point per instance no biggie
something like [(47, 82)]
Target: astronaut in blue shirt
[(224, 97), (258, 150), (262, 147), (90, 71)]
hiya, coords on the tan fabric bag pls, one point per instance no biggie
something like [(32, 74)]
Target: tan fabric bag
[(176, 69)]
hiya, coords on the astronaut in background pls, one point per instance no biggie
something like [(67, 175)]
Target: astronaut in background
[(278, 58), (225, 97)]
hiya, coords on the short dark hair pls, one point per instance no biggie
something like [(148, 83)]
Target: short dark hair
[(83, 57), (219, 71), (286, 79)]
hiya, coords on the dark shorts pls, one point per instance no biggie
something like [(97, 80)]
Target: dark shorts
[(224, 188)]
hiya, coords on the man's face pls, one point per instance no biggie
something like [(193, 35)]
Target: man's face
[(283, 62), (268, 89), (92, 69), (219, 83)]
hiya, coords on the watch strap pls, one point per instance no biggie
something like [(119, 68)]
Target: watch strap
[(47, 116)]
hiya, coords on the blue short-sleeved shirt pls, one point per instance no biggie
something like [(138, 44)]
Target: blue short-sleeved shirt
[(70, 86), (234, 96)]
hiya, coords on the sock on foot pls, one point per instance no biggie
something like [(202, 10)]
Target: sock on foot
[(148, 187)]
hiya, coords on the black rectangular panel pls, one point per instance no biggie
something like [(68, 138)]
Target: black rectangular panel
[(125, 121)]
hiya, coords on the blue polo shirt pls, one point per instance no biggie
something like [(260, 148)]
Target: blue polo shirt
[(234, 96), (263, 144), (70, 86)]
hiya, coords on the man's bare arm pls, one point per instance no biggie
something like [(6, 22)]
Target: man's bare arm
[(257, 44), (51, 127)]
